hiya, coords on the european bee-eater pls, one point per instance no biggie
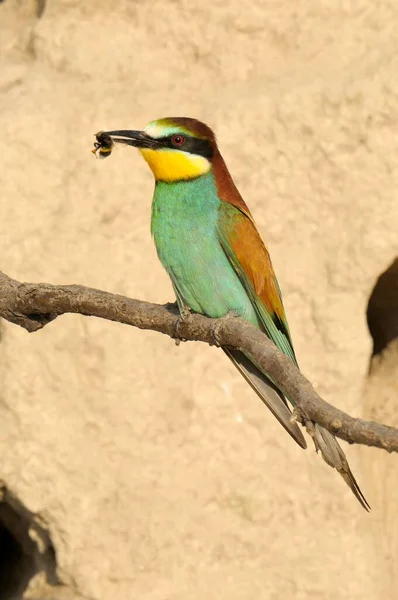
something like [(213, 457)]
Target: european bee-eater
[(207, 241)]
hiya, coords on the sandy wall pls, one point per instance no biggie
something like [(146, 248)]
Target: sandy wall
[(156, 470), (380, 400)]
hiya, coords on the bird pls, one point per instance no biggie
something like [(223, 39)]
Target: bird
[(208, 243)]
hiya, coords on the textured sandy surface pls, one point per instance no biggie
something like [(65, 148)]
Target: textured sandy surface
[(160, 474), (380, 400)]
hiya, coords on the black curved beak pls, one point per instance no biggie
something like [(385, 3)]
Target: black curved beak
[(138, 139)]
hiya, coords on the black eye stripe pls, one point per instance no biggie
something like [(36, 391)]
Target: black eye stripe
[(190, 144)]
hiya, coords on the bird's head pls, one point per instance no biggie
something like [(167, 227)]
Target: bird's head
[(175, 148)]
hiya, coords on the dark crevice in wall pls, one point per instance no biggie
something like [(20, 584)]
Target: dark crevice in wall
[(40, 7), (382, 312), (25, 548)]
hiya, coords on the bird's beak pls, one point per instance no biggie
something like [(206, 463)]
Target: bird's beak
[(138, 139)]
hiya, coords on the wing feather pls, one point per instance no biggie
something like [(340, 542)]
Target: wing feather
[(248, 255)]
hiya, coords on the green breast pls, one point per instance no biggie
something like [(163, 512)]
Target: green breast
[(184, 227)]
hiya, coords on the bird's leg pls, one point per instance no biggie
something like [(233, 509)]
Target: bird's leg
[(218, 325), (185, 314), (297, 415), (184, 317)]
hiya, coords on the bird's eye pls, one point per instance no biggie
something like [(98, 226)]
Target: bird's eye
[(177, 140)]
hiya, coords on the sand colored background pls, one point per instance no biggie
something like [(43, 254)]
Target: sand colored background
[(156, 470)]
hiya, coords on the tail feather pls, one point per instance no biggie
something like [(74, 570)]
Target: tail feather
[(324, 441), (334, 456), (268, 392)]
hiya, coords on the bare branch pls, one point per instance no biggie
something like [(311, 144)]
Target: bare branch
[(34, 305)]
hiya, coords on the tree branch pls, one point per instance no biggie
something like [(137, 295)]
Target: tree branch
[(34, 305)]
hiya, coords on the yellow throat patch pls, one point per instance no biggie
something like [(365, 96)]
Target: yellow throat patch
[(175, 165)]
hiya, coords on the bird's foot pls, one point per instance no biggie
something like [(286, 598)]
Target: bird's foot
[(219, 324), (184, 317), (297, 416)]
